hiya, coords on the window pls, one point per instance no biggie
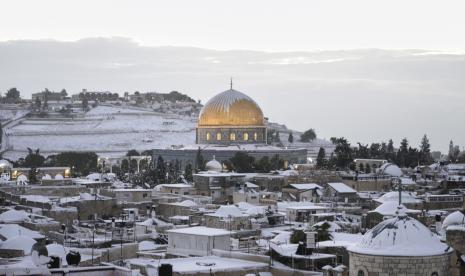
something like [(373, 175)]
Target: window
[(246, 136), (232, 136), (208, 136), (255, 136), (218, 136), (360, 273)]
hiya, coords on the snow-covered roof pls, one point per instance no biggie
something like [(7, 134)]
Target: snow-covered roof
[(175, 185), (389, 208), (24, 243), (341, 240), (307, 207), (341, 188), (186, 203), (200, 231), (390, 169), (394, 196), (333, 227), (306, 186), (214, 166), (456, 218), (251, 185), (147, 245), (203, 265), (400, 236), (407, 181), (13, 216), (12, 230), (226, 211)]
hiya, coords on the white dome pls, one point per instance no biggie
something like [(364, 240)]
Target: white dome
[(214, 166), (4, 164), (46, 177), (455, 218), (394, 196), (58, 177), (390, 169), (400, 236)]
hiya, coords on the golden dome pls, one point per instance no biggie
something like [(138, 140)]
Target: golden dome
[(231, 108)]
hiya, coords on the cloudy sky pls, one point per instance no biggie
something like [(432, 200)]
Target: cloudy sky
[(366, 70)]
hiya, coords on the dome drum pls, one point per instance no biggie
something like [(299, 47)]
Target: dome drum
[(231, 135)]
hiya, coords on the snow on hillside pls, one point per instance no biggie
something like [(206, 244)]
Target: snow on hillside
[(111, 131)]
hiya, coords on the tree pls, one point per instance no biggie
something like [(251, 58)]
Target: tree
[(343, 154), (290, 139), (199, 161), (308, 135), (368, 168), (402, 154), (13, 95), (188, 173), (276, 163), (34, 159), (277, 137), (298, 236), (32, 177), (361, 167), (85, 103), (321, 159), (322, 232), (38, 103), (82, 163), (132, 152), (425, 151), (242, 162), (63, 93), (454, 152), (263, 165), (160, 170), (1, 133)]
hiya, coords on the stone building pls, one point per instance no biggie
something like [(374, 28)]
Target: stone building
[(399, 246)]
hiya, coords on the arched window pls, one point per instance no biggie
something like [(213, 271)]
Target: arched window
[(255, 136), (360, 273), (218, 136), (208, 136), (434, 274), (246, 136), (232, 136)]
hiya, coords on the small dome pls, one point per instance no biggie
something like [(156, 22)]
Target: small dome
[(5, 165), (231, 108), (214, 166), (455, 218), (390, 169), (400, 236), (58, 177), (46, 177)]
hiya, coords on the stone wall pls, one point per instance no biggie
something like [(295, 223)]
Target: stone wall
[(456, 238), (392, 265)]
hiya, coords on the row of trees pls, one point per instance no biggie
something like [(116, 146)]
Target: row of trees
[(405, 156), (82, 163)]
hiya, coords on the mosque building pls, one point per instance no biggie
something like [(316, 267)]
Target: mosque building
[(231, 122)]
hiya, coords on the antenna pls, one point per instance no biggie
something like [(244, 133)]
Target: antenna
[(231, 84)]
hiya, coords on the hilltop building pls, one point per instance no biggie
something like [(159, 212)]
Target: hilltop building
[(231, 122)]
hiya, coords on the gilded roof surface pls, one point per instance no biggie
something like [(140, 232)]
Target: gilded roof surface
[(231, 108)]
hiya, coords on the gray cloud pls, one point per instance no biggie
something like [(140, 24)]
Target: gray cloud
[(365, 95)]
